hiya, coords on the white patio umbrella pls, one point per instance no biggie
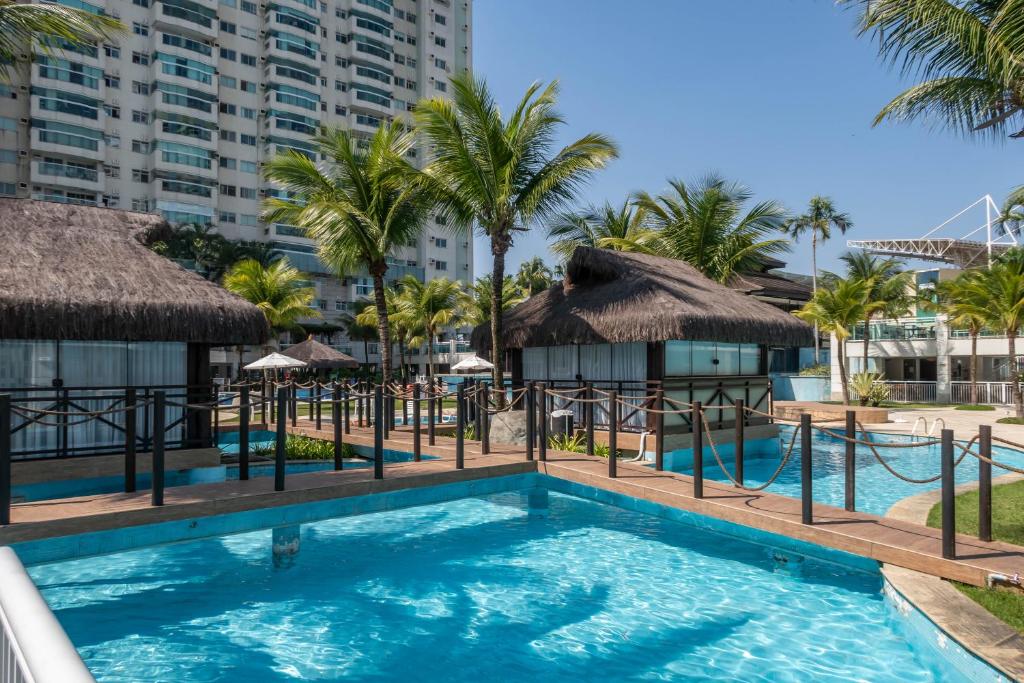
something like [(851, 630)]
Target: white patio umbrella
[(275, 361), (473, 364)]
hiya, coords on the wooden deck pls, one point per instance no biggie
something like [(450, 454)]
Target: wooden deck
[(891, 541)]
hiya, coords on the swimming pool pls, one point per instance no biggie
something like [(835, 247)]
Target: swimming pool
[(877, 489), (512, 585)]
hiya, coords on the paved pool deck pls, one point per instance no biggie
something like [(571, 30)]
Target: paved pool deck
[(892, 541)]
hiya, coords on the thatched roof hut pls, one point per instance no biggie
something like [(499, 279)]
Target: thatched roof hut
[(85, 273), (319, 356), (609, 296)]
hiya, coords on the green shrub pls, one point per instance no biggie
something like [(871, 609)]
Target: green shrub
[(868, 386), (300, 447), (576, 443), (975, 407), (1011, 420), (819, 370)]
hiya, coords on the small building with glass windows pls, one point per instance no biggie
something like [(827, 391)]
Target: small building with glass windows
[(638, 323)]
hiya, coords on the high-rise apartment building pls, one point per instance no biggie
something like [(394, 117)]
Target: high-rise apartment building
[(177, 115)]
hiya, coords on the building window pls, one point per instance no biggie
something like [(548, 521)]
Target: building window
[(140, 88), (228, 163), (441, 243), (228, 135), (441, 86), (226, 108), (140, 29), (229, 190), (227, 217), (140, 175), (228, 27), (248, 167), (140, 116), (140, 146), (440, 64), (228, 82), (248, 140), (440, 265), (321, 304), (248, 193), (248, 219), (440, 19), (249, 60), (249, 7), (229, 55), (439, 41), (248, 86), (248, 113), (112, 51), (140, 58), (112, 111)]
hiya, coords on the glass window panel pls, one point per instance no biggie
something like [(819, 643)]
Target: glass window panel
[(677, 359), (750, 359), (728, 356), (702, 357)]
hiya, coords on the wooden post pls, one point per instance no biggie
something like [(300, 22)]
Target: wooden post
[(346, 418), (531, 419), (485, 421), (295, 405), (215, 400), (5, 459), (431, 399), (460, 427), (741, 420), (417, 447), (263, 400), (542, 427), (130, 465), (281, 437), (378, 433), (948, 497), (319, 405), (851, 461), (659, 437), (477, 424), (336, 420), (985, 484), (613, 440), (405, 406), (387, 416), (697, 419), (268, 418), (159, 420), (806, 490), (243, 434), (311, 406), (359, 403), (589, 412)]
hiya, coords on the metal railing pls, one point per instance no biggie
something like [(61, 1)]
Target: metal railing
[(990, 393), (910, 392), (897, 330)]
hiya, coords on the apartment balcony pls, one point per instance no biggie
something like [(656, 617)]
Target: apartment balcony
[(302, 51), (902, 329), (187, 16), (70, 141), (48, 194), (64, 175)]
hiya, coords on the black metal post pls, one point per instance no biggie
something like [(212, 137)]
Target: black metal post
[(345, 416), (851, 460), (985, 484), (806, 492), (613, 440), (460, 427), (542, 427), (5, 459), (159, 420), (130, 464), (589, 412), (336, 420), (281, 438), (485, 421), (417, 446), (659, 437), (243, 434), (948, 497), (697, 444), (319, 405), (531, 419), (741, 421), (378, 433), (431, 431)]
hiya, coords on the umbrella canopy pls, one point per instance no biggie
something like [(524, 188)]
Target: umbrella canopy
[(320, 356), (473, 364), (274, 361)]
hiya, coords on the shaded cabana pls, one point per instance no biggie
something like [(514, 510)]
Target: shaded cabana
[(319, 356), (84, 302), (634, 322)]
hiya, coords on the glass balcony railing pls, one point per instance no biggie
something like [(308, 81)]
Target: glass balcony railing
[(897, 330), (47, 168)]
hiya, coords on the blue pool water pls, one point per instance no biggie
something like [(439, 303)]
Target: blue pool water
[(523, 585), (877, 489)]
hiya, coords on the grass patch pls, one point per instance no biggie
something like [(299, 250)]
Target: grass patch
[(1011, 420), (979, 407), (1007, 525)]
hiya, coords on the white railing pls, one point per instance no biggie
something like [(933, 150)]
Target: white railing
[(911, 392), (992, 393), (33, 646)]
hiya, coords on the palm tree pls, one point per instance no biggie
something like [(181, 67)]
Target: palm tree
[(430, 307), (704, 224), (358, 332), (501, 173), (405, 331), (358, 205), (888, 288), (965, 304), (836, 309), (1001, 289), (968, 55), (279, 290), (622, 228), (820, 219), (478, 299), (534, 276), (47, 28)]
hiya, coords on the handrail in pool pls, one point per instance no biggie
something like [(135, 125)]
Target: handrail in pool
[(33, 645)]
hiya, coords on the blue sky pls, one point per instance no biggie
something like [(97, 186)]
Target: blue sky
[(777, 94)]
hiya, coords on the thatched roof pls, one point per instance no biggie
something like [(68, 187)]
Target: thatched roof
[(610, 296), (81, 272), (319, 356), (772, 285)]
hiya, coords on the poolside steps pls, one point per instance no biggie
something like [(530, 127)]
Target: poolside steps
[(891, 541)]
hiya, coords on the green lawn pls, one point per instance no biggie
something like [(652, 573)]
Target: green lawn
[(1007, 525)]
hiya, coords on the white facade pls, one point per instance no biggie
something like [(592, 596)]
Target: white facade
[(177, 116)]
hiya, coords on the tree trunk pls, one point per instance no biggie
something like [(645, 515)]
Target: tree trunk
[(366, 354), (867, 339), (1018, 403), (382, 324), (499, 246), (401, 359), (241, 362), (430, 358), (842, 370), (814, 290), (974, 368)]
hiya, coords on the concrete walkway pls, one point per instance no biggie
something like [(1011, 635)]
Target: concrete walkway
[(964, 423)]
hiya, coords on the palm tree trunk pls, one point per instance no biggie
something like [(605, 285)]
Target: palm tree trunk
[(1018, 403), (867, 338), (382, 325), (974, 368), (814, 290), (499, 246), (241, 362), (401, 360), (430, 358), (366, 354), (842, 371)]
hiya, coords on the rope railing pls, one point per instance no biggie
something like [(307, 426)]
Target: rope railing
[(729, 475)]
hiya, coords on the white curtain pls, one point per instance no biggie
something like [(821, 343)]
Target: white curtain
[(535, 363)]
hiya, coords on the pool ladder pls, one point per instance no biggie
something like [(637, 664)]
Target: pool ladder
[(927, 431)]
